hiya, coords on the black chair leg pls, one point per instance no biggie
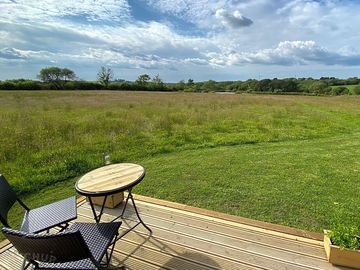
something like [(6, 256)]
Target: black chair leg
[(25, 265)]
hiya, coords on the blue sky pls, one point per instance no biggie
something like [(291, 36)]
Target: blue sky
[(181, 39)]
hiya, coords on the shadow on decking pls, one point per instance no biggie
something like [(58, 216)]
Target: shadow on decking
[(198, 258)]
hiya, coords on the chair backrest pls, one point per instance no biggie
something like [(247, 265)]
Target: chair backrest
[(7, 199), (50, 248)]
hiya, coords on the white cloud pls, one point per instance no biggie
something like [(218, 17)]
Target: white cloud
[(203, 13), (11, 53), (323, 18), (286, 53), (104, 32), (48, 10), (234, 20)]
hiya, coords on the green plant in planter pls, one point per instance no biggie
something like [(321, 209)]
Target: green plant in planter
[(345, 237)]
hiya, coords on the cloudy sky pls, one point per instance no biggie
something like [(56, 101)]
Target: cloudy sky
[(181, 39)]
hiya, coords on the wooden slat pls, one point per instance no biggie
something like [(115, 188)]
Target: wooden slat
[(110, 177), (162, 258), (239, 232), (194, 241), (4, 245), (131, 263), (253, 253), (190, 254), (11, 260), (154, 245), (207, 229)]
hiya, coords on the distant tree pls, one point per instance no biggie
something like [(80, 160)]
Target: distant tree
[(352, 81), (157, 83), (319, 87), (209, 86), (49, 74), (190, 82), (68, 74), (290, 85), (56, 76), (143, 79), (157, 80), (105, 75), (180, 85), (263, 85)]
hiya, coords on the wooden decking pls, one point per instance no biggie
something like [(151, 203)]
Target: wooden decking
[(188, 238)]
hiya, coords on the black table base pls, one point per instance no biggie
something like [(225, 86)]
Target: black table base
[(129, 196)]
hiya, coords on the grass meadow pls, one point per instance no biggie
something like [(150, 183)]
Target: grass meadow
[(292, 160)]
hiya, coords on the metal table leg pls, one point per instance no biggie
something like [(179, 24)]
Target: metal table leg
[(130, 196), (97, 217), (137, 213)]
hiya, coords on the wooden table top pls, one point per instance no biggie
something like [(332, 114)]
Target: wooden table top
[(110, 179)]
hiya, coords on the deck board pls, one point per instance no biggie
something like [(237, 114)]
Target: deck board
[(241, 233), (211, 243), (191, 241)]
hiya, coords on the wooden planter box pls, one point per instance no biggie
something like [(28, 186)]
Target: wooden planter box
[(343, 257), (111, 201)]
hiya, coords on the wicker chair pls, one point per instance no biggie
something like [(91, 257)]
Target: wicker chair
[(81, 246), (38, 219)]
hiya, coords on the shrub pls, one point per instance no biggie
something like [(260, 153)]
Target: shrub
[(319, 88), (115, 86), (345, 236), (356, 90), (7, 85), (83, 85), (28, 85), (340, 90)]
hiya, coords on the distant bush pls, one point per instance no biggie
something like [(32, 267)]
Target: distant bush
[(340, 90), (115, 86), (7, 85), (83, 85), (319, 88), (29, 85), (128, 86), (356, 90), (304, 86)]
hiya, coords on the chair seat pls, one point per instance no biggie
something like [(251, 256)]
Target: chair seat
[(97, 236), (49, 216)]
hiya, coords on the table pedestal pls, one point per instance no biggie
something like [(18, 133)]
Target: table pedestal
[(97, 217)]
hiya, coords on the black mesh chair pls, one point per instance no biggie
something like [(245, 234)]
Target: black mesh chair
[(81, 246), (38, 219)]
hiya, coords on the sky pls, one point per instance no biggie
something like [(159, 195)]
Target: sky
[(180, 39)]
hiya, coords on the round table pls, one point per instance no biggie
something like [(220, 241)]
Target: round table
[(111, 179)]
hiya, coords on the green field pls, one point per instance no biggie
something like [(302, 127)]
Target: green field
[(348, 86), (292, 160)]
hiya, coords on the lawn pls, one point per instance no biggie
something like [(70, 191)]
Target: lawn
[(290, 160)]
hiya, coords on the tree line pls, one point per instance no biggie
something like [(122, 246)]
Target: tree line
[(55, 78)]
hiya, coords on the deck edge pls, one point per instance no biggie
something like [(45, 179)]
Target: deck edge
[(246, 221)]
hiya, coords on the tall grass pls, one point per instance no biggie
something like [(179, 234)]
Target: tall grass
[(48, 137)]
